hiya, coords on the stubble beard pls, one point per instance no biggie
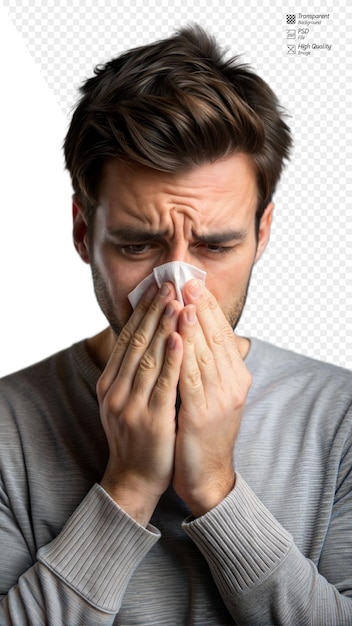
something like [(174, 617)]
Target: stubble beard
[(233, 313), (106, 303)]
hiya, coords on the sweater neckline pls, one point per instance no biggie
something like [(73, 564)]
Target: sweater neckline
[(85, 363)]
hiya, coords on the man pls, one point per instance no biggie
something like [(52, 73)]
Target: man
[(117, 507)]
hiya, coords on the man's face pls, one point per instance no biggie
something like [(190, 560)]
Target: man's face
[(144, 218)]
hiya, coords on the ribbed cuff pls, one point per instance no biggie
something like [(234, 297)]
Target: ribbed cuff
[(241, 540), (98, 550)]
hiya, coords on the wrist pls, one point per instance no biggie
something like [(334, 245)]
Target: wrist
[(136, 502), (208, 497)]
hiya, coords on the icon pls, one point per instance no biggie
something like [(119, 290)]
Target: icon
[(291, 34), (290, 19), (291, 49)]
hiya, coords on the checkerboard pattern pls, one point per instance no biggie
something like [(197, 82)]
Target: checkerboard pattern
[(300, 295)]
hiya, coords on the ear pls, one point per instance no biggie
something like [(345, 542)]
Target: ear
[(80, 230), (264, 230)]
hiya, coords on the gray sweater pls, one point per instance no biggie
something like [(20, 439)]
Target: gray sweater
[(277, 550)]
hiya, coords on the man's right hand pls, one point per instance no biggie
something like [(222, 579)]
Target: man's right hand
[(137, 396)]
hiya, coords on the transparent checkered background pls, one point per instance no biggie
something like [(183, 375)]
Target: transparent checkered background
[(301, 291)]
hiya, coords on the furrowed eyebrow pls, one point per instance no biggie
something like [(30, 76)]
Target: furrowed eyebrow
[(131, 234), (225, 237)]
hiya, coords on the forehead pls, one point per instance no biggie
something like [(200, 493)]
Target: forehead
[(227, 185)]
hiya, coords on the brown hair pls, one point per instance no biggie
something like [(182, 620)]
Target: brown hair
[(171, 105)]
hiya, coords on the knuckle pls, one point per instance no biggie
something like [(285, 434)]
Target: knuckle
[(193, 378), (212, 302), (163, 325), (124, 336), (189, 338), (248, 380), (139, 340), (227, 331), (203, 305), (208, 302), (101, 387), (206, 357), (218, 337), (240, 397), (148, 362), (143, 306), (240, 393), (244, 376), (168, 362), (163, 383), (146, 304), (154, 306), (110, 405)]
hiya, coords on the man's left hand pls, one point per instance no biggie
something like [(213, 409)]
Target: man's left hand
[(214, 384)]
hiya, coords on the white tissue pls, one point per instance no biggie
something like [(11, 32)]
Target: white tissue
[(176, 272)]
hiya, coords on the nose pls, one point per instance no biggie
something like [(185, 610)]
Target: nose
[(181, 243), (179, 252)]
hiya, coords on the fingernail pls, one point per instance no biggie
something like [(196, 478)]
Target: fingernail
[(165, 289), (169, 311), (195, 288), (172, 341)]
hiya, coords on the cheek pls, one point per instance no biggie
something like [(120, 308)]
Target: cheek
[(229, 280), (224, 287), (119, 276)]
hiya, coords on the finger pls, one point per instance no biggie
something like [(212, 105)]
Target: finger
[(146, 314), (219, 336), (151, 363), (217, 330), (206, 304), (198, 371), (163, 397)]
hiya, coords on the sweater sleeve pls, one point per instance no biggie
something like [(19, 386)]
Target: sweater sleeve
[(81, 576), (262, 576)]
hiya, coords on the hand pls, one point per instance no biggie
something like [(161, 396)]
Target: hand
[(214, 383), (137, 395)]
